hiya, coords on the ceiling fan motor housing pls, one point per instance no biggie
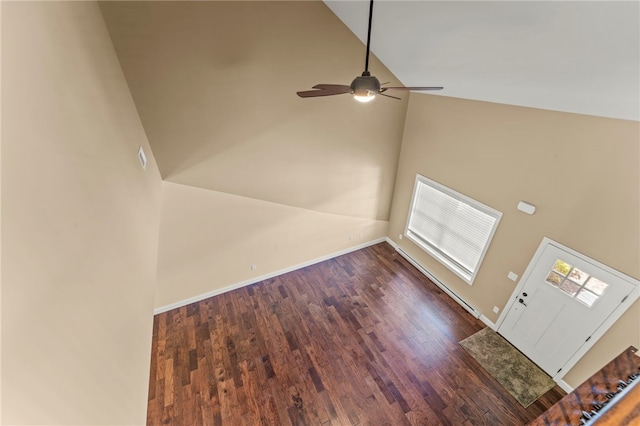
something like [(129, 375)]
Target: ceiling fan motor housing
[(365, 85), (363, 88)]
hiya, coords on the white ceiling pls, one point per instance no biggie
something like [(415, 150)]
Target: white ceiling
[(581, 56)]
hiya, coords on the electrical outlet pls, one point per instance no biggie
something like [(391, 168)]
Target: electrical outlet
[(496, 309), (253, 267), (399, 236)]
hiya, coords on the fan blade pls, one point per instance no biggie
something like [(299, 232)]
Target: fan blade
[(412, 88), (333, 87), (389, 96), (325, 90)]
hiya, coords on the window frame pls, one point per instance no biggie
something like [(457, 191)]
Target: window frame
[(431, 249)]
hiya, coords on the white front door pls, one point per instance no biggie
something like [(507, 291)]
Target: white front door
[(563, 298)]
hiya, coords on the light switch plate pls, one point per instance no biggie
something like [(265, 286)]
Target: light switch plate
[(512, 276), (142, 157)]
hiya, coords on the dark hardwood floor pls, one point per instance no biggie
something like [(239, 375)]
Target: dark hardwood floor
[(361, 339)]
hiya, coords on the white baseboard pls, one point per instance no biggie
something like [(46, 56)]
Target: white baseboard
[(392, 243), (488, 322), (235, 286), (439, 283), (565, 386)]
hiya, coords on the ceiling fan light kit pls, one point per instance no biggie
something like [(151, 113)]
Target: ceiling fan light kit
[(363, 88), (365, 98)]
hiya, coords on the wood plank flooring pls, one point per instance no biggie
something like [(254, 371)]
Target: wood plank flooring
[(362, 339)]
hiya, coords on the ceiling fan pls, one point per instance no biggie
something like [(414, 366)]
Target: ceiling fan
[(363, 88)]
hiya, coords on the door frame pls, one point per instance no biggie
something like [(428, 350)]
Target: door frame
[(602, 329)]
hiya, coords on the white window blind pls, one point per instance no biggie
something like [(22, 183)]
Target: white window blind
[(450, 226)]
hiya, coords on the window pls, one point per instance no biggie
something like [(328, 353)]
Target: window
[(576, 283), (451, 227)]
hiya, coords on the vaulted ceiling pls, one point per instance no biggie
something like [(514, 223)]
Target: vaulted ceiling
[(215, 86), (214, 83), (573, 56)]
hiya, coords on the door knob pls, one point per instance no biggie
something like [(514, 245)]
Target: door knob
[(521, 300), (525, 294)]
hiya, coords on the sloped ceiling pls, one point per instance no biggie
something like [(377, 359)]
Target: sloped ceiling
[(214, 83), (573, 56), (215, 86)]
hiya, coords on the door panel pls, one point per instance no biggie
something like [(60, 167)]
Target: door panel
[(564, 299)]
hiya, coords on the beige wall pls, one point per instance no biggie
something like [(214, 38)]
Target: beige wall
[(209, 239), (1, 219), (215, 83), (253, 173), (79, 224), (581, 172)]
